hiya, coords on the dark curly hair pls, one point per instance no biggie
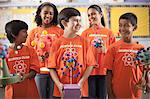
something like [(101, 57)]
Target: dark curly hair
[(13, 27), (38, 19)]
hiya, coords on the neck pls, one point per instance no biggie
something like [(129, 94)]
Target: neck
[(16, 46), (69, 34), (46, 25), (97, 25), (129, 41)]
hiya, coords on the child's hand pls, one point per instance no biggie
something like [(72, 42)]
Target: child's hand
[(104, 49), (43, 57), (111, 96), (148, 83), (46, 55), (80, 84), (27, 76), (141, 84), (61, 89), (22, 78), (101, 49)]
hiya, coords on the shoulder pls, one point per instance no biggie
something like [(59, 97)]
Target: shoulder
[(29, 48), (58, 40), (82, 38), (33, 31), (139, 46), (116, 44), (88, 30), (107, 31), (57, 28)]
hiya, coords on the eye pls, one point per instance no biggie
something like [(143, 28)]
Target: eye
[(93, 14), (45, 12), (51, 13), (127, 25)]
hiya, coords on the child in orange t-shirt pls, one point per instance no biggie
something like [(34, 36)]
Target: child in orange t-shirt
[(21, 60), (100, 37), (71, 59), (124, 74), (41, 39)]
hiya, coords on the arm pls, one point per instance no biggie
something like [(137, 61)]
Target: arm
[(30, 75), (109, 85), (148, 82), (85, 75), (56, 80)]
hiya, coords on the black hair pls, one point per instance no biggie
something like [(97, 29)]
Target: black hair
[(13, 27), (98, 8), (66, 13), (131, 17), (38, 18)]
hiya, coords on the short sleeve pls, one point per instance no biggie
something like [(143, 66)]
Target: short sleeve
[(34, 62), (84, 34), (91, 61), (29, 38), (52, 60), (61, 32), (112, 38), (109, 59)]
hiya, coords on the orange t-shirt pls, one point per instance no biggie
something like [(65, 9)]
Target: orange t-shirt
[(23, 62), (41, 40), (70, 57), (120, 59), (106, 35)]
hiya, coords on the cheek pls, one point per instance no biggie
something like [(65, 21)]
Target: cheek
[(131, 29)]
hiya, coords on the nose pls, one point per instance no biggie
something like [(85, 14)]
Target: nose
[(90, 17), (79, 22), (26, 34), (122, 29), (48, 15)]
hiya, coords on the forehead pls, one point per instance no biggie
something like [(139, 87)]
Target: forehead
[(91, 10), (22, 30), (124, 21), (75, 17), (47, 8)]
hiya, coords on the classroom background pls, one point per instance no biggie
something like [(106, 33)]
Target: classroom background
[(112, 9)]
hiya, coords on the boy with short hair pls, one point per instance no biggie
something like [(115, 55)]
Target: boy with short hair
[(124, 74), (70, 61)]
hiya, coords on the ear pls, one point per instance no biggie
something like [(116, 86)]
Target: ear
[(64, 23), (135, 27), (101, 14), (13, 35)]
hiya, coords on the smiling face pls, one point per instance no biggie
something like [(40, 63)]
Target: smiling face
[(94, 16), (126, 29), (21, 37), (74, 24), (47, 14)]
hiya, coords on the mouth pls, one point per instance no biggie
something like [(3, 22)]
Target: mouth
[(77, 27), (47, 21), (91, 20), (25, 37)]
